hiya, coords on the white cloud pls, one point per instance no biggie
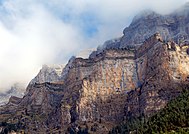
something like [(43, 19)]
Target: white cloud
[(30, 41), (36, 32)]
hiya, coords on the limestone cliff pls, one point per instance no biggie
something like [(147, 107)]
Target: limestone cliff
[(162, 68), (112, 85), (120, 83), (99, 92)]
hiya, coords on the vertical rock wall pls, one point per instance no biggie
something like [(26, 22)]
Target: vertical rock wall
[(105, 89), (97, 88)]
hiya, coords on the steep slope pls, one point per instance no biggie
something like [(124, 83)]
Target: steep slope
[(112, 85), (95, 86), (125, 83), (174, 26), (38, 111), (15, 90), (169, 120), (48, 73), (162, 67), (100, 92)]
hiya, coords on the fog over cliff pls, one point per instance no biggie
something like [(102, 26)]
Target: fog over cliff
[(37, 32)]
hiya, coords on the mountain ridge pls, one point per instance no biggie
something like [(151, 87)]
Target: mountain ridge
[(115, 83)]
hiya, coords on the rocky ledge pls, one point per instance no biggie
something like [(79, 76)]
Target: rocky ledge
[(100, 92), (135, 75)]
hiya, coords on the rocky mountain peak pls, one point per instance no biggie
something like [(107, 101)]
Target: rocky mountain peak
[(125, 82), (48, 73), (145, 15), (174, 26), (67, 67), (132, 76)]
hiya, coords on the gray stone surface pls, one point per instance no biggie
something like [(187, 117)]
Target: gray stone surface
[(48, 73), (120, 80), (174, 26)]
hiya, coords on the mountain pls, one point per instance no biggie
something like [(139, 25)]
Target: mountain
[(172, 119), (129, 77), (174, 26), (15, 90), (48, 73)]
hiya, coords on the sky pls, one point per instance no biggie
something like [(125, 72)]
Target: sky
[(37, 32)]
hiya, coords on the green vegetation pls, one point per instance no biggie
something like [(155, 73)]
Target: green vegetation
[(173, 119)]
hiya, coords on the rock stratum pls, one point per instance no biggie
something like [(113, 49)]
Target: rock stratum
[(16, 89), (112, 85)]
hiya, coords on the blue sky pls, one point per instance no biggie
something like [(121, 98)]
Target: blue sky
[(37, 32)]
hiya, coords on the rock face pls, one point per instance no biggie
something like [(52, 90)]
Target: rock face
[(162, 68), (48, 73), (96, 89), (112, 85), (120, 83), (174, 26), (15, 90), (99, 92)]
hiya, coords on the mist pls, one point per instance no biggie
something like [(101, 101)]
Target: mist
[(37, 32)]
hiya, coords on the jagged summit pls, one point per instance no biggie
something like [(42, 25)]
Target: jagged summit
[(103, 90), (145, 14), (48, 73), (171, 27), (174, 26), (132, 76)]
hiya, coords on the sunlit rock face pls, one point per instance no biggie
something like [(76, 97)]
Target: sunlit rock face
[(96, 88), (162, 68), (105, 89), (120, 83), (116, 82)]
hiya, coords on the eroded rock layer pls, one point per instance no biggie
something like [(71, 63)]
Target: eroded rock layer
[(100, 92)]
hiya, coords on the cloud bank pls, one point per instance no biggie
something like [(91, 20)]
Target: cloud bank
[(37, 32)]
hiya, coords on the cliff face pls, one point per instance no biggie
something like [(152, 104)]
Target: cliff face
[(96, 88), (162, 68), (120, 83), (99, 92), (174, 26), (16, 89), (48, 73), (112, 85)]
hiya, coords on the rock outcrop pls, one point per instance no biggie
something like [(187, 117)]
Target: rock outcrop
[(16, 90), (112, 85), (48, 73), (99, 92), (162, 68), (174, 26)]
